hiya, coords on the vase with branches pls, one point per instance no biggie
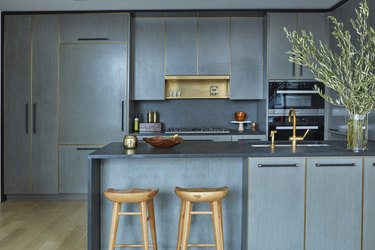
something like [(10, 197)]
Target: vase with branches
[(349, 73)]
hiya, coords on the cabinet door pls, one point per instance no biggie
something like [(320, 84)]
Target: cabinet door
[(369, 204), (333, 203), (181, 46), (279, 66), (92, 93), (148, 34), (276, 204), (17, 106), (93, 28), (213, 46), (315, 23), (44, 100), (246, 78), (73, 165)]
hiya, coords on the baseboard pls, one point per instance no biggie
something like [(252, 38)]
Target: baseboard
[(46, 197)]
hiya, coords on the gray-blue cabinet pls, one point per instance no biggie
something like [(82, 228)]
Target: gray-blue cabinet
[(246, 48), (148, 59), (181, 41), (369, 204), (197, 46), (278, 45), (333, 203), (90, 27), (93, 93), (276, 203), (213, 45), (30, 104)]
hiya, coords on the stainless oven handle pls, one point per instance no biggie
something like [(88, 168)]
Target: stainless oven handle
[(297, 91), (297, 127)]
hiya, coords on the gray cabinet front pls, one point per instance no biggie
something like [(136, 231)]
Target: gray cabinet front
[(30, 104), (369, 204), (148, 49), (213, 46), (276, 204), (279, 66), (246, 47), (73, 164), (93, 80), (333, 203), (103, 27), (181, 46)]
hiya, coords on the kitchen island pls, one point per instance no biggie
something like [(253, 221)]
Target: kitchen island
[(284, 196)]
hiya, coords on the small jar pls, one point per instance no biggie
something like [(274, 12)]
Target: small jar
[(130, 141)]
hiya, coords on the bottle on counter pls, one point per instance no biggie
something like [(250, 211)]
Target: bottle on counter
[(136, 123)]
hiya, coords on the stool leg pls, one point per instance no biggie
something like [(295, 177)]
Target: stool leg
[(180, 225), (143, 209), (151, 213), (114, 225), (186, 224), (216, 218)]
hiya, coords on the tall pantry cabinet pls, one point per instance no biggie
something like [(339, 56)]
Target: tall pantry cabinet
[(30, 104)]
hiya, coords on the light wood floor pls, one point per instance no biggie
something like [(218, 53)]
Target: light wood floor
[(43, 225)]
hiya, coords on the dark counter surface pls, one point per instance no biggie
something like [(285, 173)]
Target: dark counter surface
[(196, 149), (247, 131)]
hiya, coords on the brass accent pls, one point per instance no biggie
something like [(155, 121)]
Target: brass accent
[(294, 138), (273, 132), (130, 141), (192, 87)]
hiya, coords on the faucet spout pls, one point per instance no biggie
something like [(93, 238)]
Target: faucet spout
[(292, 113)]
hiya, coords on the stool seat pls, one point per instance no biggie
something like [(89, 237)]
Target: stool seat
[(202, 194), (130, 195)]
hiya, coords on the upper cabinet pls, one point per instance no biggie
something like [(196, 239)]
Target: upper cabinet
[(181, 46), (246, 48), (278, 45), (94, 28), (148, 59), (197, 46), (213, 46)]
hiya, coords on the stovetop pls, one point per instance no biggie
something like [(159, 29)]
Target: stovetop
[(197, 130)]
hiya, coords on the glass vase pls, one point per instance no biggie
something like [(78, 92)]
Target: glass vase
[(357, 133)]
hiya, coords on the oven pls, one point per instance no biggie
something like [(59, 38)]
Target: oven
[(307, 102), (300, 95)]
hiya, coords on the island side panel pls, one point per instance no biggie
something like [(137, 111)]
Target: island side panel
[(93, 206), (165, 174)]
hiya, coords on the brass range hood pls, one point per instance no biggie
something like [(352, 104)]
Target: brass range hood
[(197, 87)]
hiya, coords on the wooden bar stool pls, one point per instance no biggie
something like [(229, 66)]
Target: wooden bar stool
[(190, 195), (146, 202)]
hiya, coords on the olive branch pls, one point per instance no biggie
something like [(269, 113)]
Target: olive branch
[(350, 71)]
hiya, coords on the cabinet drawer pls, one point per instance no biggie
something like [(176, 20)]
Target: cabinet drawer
[(73, 164), (94, 28)]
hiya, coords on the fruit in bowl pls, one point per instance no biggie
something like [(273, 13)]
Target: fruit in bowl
[(163, 142), (240, 116)]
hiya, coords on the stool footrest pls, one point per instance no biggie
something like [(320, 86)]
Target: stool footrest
[(130, 213), (131, 245), (201, 212), (201, 245)]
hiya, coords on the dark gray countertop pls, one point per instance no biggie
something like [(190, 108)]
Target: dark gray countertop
[(195, 149), (232, 132)]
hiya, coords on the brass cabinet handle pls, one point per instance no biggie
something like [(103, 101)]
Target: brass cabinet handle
[(277, 165), (336, 165)]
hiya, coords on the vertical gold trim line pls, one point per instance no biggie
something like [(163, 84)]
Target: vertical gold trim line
[(305, 206), (58, 30), (363, 199), (31, 105), (197, 40)]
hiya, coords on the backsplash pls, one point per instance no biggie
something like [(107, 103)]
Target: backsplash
[(198, 113)]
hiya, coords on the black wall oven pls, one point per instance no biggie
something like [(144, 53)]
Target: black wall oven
[(307, 102)]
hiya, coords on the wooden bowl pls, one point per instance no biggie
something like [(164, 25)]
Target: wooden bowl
[(163, 142), (240, 116)]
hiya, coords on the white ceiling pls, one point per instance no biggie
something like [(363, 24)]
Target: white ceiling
[(67, 5)]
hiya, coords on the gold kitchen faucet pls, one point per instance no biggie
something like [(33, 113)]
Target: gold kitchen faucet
[(294, 138)]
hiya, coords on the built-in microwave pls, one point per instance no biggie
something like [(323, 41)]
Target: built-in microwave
[(300, 95)]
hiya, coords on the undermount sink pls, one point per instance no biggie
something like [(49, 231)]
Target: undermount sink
[(288, 144)]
